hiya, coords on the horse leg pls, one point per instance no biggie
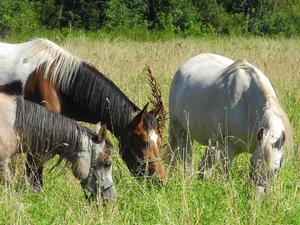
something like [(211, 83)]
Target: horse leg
[(226, 156), (181, 145), (34, 172), (187, 152), (4, 173), (209, 159), (173, 143)]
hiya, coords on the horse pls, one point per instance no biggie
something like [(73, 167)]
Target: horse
[(47, 74), (30, 128), (230, 107)]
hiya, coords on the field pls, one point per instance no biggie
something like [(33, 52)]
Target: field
[(184, 200)]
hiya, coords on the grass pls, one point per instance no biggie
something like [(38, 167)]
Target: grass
[(184, 200)]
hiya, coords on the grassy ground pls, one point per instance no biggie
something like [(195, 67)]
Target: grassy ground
[(184, 200)]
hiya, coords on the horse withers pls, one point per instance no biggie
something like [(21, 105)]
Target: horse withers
[(230, 106), (46, 74), (31, 128)]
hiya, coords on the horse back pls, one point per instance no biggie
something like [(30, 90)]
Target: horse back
[(210, 101)]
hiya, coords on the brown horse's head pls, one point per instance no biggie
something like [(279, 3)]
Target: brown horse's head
[(139, 146)]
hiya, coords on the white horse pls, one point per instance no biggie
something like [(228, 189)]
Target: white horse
[(232, 106)]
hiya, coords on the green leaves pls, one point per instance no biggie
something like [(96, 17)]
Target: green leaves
[(17, 16)]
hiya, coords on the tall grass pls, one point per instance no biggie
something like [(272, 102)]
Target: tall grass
[(184, 200)]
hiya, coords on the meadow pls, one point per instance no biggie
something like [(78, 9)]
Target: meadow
[(184, 200)]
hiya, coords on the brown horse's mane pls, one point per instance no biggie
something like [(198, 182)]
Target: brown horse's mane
[(102, 98), (46, 131), (84, 86)]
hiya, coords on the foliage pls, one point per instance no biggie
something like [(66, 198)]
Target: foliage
[(187, 17), (17, 16)]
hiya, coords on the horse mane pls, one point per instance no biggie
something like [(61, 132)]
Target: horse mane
[(66, 65), (272, 104), (238, 64), (46, 131), (273, 107), (83, 83), (105, 101)]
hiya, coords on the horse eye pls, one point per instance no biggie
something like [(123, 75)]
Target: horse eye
[(137, 142), (106, 164)]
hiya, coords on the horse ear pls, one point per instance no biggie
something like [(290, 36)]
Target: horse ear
[(260, 134), (139, 117), (158, 112), (101, 131)]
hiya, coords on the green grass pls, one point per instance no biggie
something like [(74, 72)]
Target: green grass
[(184, 200)]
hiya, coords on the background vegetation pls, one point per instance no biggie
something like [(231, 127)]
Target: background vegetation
[(184, 17), (184, 200)]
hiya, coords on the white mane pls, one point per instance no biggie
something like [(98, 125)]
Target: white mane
[(66, 65), (272, 106)]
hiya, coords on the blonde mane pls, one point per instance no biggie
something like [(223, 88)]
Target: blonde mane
[(272, 104), (273, 107), (66, 65)]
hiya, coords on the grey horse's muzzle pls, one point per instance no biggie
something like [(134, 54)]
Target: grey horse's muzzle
[(97, 188), (109, 195)]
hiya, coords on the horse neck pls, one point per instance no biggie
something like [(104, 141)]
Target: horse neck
[(96, 98), (79, 154)]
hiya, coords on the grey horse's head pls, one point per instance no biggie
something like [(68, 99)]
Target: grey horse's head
[(267, 158), (94, 165)]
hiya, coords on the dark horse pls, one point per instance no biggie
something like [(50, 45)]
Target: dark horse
[(47, 74), (29, 127)]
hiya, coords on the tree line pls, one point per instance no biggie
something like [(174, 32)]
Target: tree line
[(189, 17)]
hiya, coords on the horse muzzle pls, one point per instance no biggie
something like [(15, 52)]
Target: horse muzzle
[(109, 195)]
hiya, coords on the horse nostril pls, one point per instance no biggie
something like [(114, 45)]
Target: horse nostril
[(276, 170), (161, 183)]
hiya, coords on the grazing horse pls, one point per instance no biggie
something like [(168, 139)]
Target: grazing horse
[(47, 74), (31, 128), (231, 106)]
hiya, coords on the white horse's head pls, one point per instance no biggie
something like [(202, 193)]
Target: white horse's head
[(267, 157)]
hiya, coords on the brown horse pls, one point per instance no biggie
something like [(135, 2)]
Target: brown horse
[(29, 127), (47, 74)]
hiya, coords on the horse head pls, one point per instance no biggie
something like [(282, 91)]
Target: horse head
[(139, 146), (267, 158), (94, 166)]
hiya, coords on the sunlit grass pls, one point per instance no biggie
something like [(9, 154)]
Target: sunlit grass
[(184, 200)]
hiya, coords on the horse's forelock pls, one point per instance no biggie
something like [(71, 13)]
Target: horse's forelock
[(150, 122), (274, 108)]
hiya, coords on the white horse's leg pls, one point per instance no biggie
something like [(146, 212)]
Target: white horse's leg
[(187, 151), (173, 139), (181, 144), (4, 172), (226, 156), (213, 154), (209, 159)]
